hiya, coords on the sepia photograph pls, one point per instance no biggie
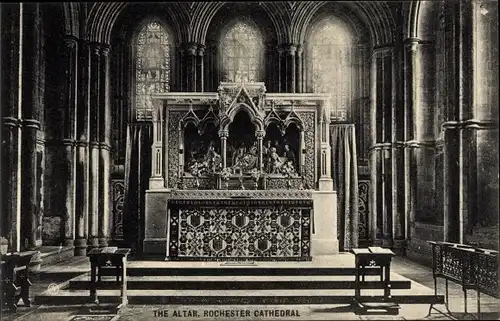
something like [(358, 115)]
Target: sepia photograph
[(260, 160)]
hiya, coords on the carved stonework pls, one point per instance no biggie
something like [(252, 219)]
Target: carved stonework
[(118, 190), (260, 194), (309, 168), (281, 183), (174, 118), (221, 229), (363, 205)]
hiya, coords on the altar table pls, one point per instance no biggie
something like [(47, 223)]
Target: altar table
[(240, 225)]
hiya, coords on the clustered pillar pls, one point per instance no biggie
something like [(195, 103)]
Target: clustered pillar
[(388, 223), (87, 144), (290, 69), (21, 125)]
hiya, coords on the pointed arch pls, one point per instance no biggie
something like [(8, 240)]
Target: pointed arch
[(152, 51), (242, 51)]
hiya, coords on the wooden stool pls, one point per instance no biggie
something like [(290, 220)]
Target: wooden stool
[(108, 257), (15, 275), (374, 257)]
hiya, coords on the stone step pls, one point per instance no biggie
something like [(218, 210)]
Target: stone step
[(240, 282), (214, 297), (239, 270)]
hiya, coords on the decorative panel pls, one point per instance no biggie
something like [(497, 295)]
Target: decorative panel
[(174, 118), (118, 190), (256, 229), (310, 142), (364, 209)]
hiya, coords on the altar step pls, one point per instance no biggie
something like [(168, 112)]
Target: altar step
[(238, 283), (225, 270), (235, 297), (220, 289), (324, 280)]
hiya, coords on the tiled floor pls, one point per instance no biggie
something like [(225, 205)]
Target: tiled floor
[(490, 307)]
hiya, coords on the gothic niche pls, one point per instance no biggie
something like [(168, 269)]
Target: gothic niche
[(242, 148), (239, 145)]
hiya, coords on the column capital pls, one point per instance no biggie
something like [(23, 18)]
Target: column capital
[(191, 48), (201, 50), (104, 50), (95, 48), (290, 49), (383, 49), (300, 49), (70, 41), (411, 44), (223, 133), (260, 134)]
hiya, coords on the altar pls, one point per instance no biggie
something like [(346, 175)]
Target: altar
[(240, 174)]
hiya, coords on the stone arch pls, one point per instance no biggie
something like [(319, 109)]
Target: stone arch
[(421, 20), (226, 13), (255, 116), (374, 16), (104, 17)]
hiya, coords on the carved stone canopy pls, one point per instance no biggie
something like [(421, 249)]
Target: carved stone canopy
[(234, 97)]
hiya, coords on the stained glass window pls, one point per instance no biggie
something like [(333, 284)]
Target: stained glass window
[(241, 53), (331, 55), (152, 72)]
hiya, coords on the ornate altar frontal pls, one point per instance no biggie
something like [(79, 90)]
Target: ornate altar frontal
[(234, 174), (222, 225)]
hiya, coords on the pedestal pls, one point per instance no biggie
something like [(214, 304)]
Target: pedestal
[(324, 224)]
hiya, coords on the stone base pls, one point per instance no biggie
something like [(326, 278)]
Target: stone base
[(103, 241), (155, 247), (325, 184), (324, 223), (156, 183), (324, 247), (80, 247), (93, 242), (68, 242)]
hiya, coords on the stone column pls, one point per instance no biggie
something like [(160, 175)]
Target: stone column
[(191, 63), (82, 151), (382, 101), (325, 180), (12, 44), (182, 69), (223, 134), (199, 68), (70, 88), (93, 240), (299, 62), (483, 126), (268, 63), (104, 148), (157, 180), (291, 67), (302, 151), (281, 88), (30, 93), (411, 145), (259, 134)]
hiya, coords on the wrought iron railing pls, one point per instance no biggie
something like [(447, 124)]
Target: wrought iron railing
[(471, 267)]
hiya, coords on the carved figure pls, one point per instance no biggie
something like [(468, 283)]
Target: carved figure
[(289, 155), (275, 161), (212, 158)]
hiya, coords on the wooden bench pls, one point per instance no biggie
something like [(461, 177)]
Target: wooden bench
[(15, 278), (108, 257), (374, 257), (471, 267)]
